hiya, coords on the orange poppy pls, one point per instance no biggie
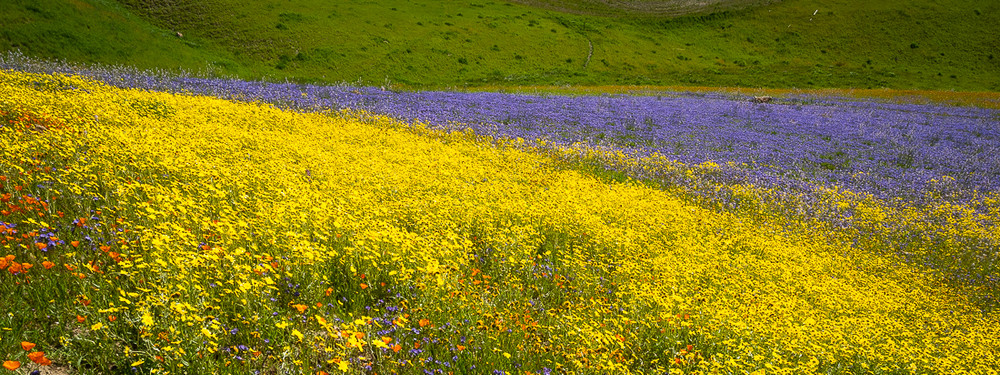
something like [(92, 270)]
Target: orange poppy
[(396, 348), (41, 245), (11, 365), (75, 243), (47, 264), (364, 286), (38, 357), (301, 308), (27, 345), (424, 322), (80, 319)]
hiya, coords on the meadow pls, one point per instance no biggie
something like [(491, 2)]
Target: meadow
[(155, 223), (899, 44)]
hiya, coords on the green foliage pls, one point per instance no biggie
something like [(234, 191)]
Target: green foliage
[(906, 44)]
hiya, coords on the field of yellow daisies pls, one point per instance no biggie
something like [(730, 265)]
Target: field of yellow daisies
[(148, 232)]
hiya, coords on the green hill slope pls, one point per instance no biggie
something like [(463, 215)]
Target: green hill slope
[(913, 44)]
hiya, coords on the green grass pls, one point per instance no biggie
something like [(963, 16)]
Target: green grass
[(905, 44)]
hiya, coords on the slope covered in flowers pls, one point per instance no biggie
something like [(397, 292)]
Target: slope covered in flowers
[(914, 181), (153, 232)]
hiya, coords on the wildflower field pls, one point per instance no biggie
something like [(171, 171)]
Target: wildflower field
[(153, 225)]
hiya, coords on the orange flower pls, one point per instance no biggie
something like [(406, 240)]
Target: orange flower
[(322, 373), (396, 348), (301, 308), (11, 365), (38, 357), (80, 319), (359, 335), (461, 347), (75, 243), (69, 267), (47, 264), (328, 290), (112, 318), (424, 322), (41, 245), (690, 348), (27, 345), (14, 268), (364, 286), (3, 264)]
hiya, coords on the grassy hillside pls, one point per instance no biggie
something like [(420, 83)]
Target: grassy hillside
[(909, 44), (98, 31)]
